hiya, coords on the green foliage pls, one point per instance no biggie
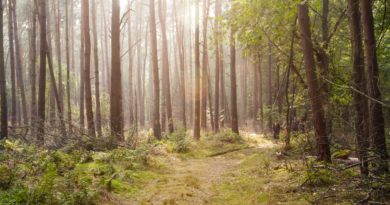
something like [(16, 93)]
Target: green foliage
[(227, 135), (179, 141)]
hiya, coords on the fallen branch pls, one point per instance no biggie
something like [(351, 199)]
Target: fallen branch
[(225, 152), (365, 200)]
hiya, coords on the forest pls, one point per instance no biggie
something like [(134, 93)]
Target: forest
[(194, 102)]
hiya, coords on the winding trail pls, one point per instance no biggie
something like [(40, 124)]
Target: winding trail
[(192, 181)]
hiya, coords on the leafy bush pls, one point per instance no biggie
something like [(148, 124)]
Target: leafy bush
[(227, 135), (179, 141)]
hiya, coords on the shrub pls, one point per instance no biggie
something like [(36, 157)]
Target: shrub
[(180, 141), (227, 135)]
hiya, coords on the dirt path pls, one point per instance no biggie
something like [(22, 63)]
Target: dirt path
[(192, 181)]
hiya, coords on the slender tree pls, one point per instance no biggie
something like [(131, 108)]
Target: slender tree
[(180, 40), (131, 103), (204, 66), (197, 74), (97, 78), (156, 83), (377, 121), (116, 75), (233, 83), (42, 73), (82, 64), (360, 81), (162, 8), (323, 153), (57, 35), (217, 65), (67, 63), (269, 102), (3, 88), (12, 63), (33, 108), (19, 72)]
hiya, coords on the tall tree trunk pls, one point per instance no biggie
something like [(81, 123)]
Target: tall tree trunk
[(139, 69), (33, 69), (269, 103), (107, 79), (255, 92), (323, 151), (82, 64), (223, 107), (131, 100), (56, 93), (165, 64), (19, 72), (97, 79), (233, 83), (243, 90), (180, 40), (68, 66), (359, 83), (12, 63), (143, 110), (210, 93), (197, 74), (191, 87), (116, 75), (72, 47), (204, 66), (87, 71), (57, 19), (42, 74), (278, 95), (3, 88), (217, 65), (377, 122), (260, 56), (52, 103), (156, 79)]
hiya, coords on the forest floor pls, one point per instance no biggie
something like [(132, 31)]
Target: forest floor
[(222, 168), (251, 174)]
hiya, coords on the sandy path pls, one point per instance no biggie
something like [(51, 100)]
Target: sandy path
[(192, 181)]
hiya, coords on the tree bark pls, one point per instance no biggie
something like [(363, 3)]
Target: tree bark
[(82, 64), (377, 122), (156, 79), (180, 40), (269, 103), (359, 83), (165, 64), (233, 84), (33, 69), (57, 35), (68, 66), (107, 79), (278, 96), (323, 151), (217, 65), (42, 74), (204, 66), (197, 75), (3, 88), (12, 63), (131, 100), (260, 56), (52, 102), (116, 75), (87, 71), (97, 78), (19, 72), (255, 96)]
